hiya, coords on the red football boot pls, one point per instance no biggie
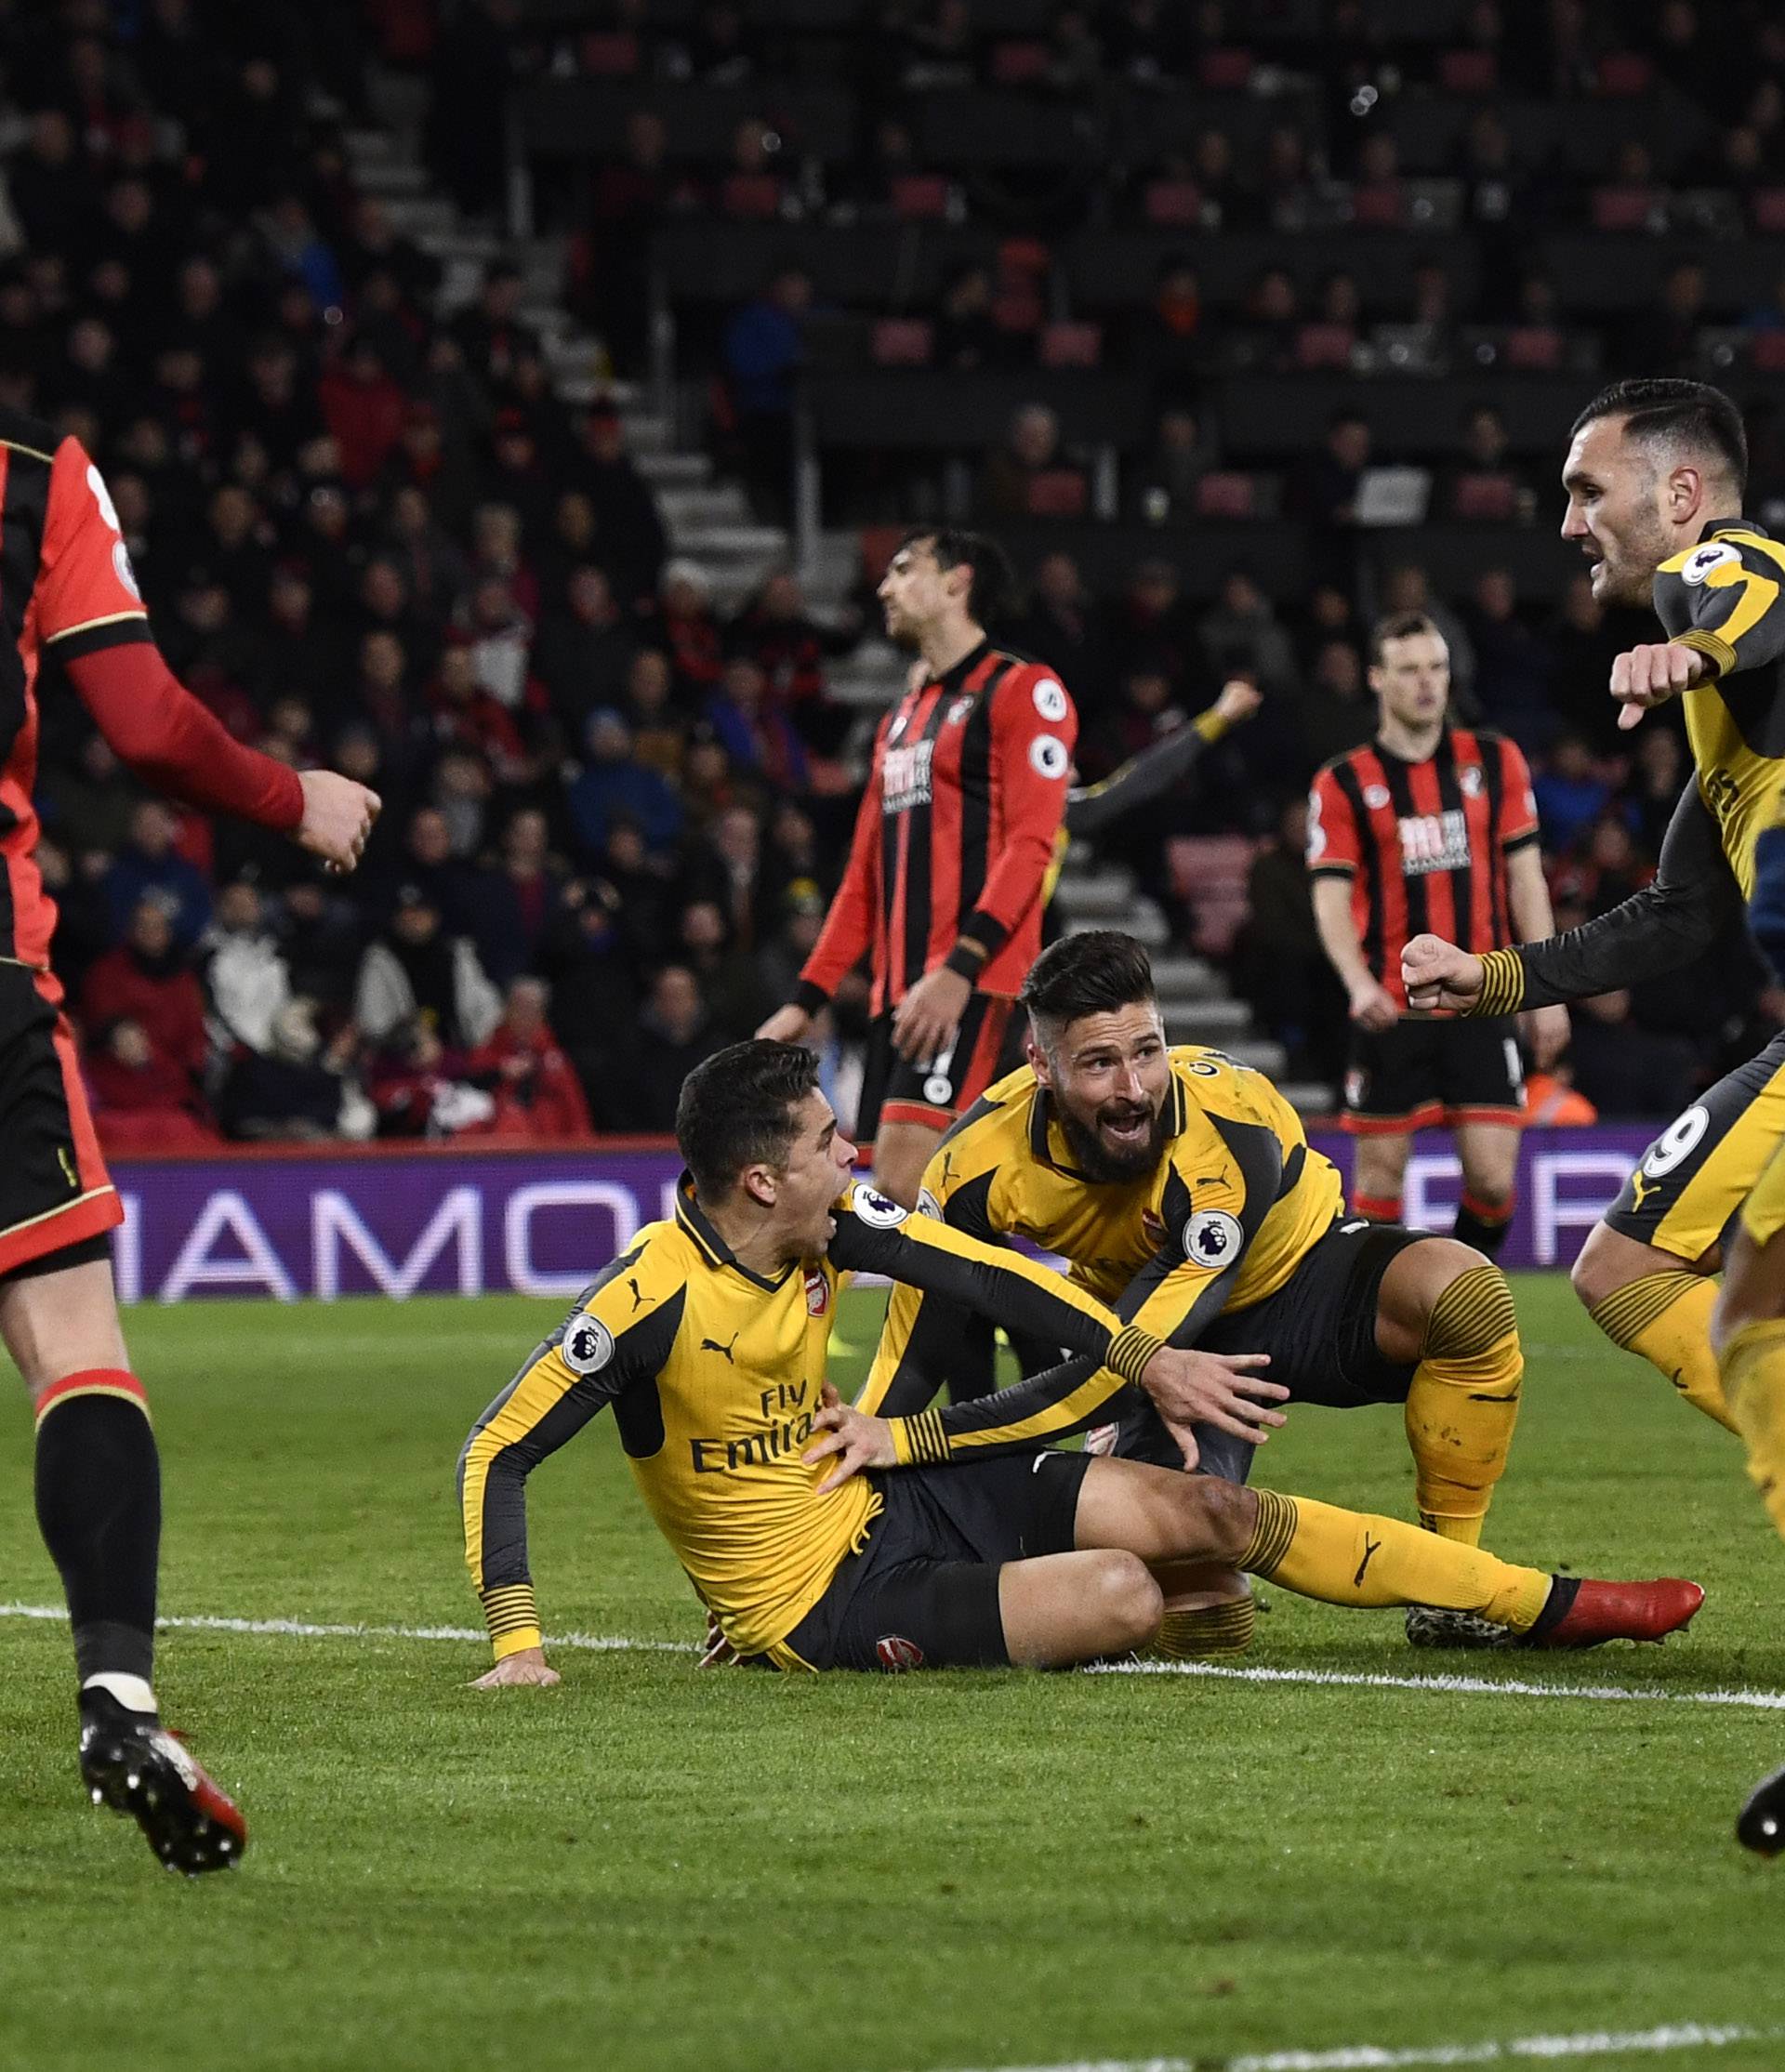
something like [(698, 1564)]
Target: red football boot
[(1599, 1612), (132, 1764)]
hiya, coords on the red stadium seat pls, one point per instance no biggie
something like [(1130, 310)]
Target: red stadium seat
[(1623, 208), (1378, 205), (902, 342), (1019, 65), (1173, 205), (1533, 347), (1483, 496), (754, 197), (1058, 492), (1624, 74), (920, 197), (1227, 71), (1227, 496), (609, 53), (1323, 345), (1208, 874), (1018, 309), (1029, 256), (1769, 211), (1070, 345), (1468, 71), (1767, 355)]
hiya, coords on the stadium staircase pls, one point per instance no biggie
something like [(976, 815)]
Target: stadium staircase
[(710, 524)]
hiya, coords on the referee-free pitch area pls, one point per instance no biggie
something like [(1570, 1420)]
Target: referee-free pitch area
[(653, 1866)]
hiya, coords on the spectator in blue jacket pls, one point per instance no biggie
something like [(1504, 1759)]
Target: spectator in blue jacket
[(614, 783), (150, 866)]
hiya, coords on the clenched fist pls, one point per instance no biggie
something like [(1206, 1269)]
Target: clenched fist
[(337, 817), (1438, 975), (1651, 675)]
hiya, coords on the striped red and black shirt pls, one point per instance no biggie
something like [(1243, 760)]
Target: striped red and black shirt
[(1424, 844), (955, 835), (67, 590)]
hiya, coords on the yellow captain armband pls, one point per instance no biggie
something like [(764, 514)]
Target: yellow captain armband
[(512, 1615), (1502, 983)]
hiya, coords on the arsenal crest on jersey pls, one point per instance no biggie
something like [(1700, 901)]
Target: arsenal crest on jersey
[(817, 1292)]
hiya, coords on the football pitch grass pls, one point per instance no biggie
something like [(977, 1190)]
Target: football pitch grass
[(654, 1867)]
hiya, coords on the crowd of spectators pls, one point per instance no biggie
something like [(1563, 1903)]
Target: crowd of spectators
[(372, 535)]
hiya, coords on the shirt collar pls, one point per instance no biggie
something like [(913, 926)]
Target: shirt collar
[(712, 1247), (956, 679)]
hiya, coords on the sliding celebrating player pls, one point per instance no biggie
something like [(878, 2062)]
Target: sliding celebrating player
[(70, 593), (953, 850), (709, 1337)]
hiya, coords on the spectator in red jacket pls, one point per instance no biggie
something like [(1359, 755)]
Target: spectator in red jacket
[(538, 1095), (364, 409), (141, 1100), (147, 978)]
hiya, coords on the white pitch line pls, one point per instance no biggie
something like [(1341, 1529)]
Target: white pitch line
[(619, 1643), (304, 1629), (1372, 2057), (1449, 1686)]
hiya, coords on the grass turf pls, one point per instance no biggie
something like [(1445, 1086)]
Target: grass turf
[(651, 1868)]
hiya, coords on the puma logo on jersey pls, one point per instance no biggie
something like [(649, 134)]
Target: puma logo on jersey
[(1642, 1188), (639, 1298), (713, 1345)]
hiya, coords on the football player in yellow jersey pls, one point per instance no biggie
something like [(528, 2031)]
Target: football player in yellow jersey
[(708, 1335), (1182, 1192)]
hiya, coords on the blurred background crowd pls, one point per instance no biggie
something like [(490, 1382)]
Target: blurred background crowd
[(512, 405)]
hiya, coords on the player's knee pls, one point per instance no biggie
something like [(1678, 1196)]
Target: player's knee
[(1594, 1273), (1217, 1518), (1128, 1603)]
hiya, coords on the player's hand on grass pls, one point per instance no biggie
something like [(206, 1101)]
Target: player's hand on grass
[(786, 1025), (1438, 974), (1548, 1034), (526, 1666), (1238, 700), (1651, 675), (856, 1440), (1224, 1389), (925, 1021), (1373, 1005), (717, 1652), (337, 817)]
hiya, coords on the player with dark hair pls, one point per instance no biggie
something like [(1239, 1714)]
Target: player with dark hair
[(70, 593), (1183, 1191), (708, 1336), (1656, 475), (1428, 826), (954, 843)]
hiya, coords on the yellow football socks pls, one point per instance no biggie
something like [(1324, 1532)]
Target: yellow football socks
[(1753, 1381), (1348, 1557), (1463, 1403), (1666, 1318), (1207, 1633)]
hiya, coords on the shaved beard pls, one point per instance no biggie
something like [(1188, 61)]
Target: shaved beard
[(1097, 1162)]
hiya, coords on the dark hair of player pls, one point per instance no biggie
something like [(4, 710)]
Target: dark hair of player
[(994, 581), (1398, 626), (1094, 973), (1690, 414), (737, 1110)]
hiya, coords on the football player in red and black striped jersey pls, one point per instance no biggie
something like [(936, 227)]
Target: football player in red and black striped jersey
[(67, 590), (946, 882), (1430, 826)]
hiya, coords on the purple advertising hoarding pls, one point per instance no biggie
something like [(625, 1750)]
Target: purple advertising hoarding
[(449, 1221)]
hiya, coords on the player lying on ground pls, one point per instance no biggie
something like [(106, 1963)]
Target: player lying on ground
[(1184, 1192), (709, 1337), (70, 593)]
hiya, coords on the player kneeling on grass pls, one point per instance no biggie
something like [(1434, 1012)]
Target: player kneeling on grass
[(709, 1337), (1182, 1190)]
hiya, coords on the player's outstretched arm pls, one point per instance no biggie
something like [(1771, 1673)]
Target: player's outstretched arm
[(1438, 976), (1092, 807)]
